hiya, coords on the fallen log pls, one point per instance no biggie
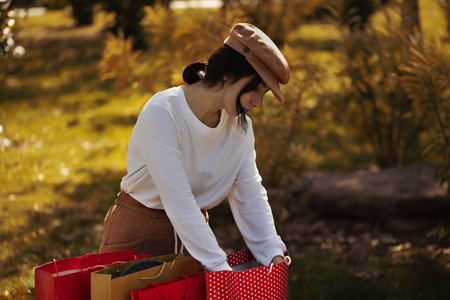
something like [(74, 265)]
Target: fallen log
[(408, 191)]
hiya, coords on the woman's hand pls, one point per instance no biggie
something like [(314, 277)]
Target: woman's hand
[(277, 259)]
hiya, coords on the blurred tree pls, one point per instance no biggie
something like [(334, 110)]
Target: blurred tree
[(119, 61), (51, 4), (128, 18), (445, 4), (378, 108), (426, 79), (410, 16), (83, 11), (9, 48), (23, 3), (375, 102), (175, 40), (354, 14), (276, 18)]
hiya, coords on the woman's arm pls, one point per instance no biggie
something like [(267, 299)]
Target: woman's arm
[(252, 212)]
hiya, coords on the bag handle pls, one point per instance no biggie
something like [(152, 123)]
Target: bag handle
[(84, 273), (188, 286), (156, 276), (81, 263), (56, 267), (83, 259), (288, 260), (161, 293), (162, 268)]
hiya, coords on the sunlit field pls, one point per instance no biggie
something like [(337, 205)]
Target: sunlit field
[(63, 142)]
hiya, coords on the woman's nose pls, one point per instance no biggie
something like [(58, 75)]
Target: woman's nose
[(257, 102)]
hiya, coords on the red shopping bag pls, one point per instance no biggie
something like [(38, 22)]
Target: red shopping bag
[(267, 282), (69, 278), (183, 288)]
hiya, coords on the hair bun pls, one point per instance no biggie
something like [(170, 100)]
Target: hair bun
[(194, 72)]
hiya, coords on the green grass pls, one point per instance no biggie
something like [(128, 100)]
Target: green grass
[(68, 134)]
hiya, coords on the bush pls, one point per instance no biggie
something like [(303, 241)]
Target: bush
[(119, 61), (374, 101), (279, 18), (445, 5), (426, 80), (175, 41)]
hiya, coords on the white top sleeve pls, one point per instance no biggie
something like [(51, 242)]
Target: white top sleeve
[(159, 146), (252, 212)]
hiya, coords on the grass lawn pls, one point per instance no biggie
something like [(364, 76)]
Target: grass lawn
[(67, 136), (63, 142)]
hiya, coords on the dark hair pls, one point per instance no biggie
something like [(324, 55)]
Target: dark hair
[(252, 85), (224, 61), (194, 72)]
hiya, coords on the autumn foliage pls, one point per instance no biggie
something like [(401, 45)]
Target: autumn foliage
[(391, 117)]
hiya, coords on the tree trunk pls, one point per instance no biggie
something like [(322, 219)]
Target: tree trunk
[(410, 16), (83, 12), (128, 17), (356, 13), (409, 191), (445, 4)]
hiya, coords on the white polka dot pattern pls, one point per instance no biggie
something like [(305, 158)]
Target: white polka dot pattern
[(265, 283)]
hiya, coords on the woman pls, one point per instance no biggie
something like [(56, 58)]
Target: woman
[(192, 147)]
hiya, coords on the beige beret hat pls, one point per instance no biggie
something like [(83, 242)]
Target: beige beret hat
[(262, 53)]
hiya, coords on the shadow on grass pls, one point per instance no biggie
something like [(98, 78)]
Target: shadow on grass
[(99, 124), (72, 226), (75, 58), (56, 55)]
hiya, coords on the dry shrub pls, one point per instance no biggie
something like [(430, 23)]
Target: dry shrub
[(399, 92), (375, 103), (426, 80), (278, 18), (176, 39), (119, 61), (445, 5), (182, 38)]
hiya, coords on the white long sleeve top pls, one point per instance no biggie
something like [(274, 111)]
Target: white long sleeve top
[(177, 163)]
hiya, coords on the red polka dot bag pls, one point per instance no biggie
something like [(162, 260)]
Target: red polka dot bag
[(249, 281)]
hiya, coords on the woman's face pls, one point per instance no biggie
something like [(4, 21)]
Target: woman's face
[(248, 99)]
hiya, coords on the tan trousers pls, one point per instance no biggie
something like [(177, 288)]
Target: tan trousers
[(131, 225)]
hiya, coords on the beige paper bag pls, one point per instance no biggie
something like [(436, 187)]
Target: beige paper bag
[(107, 284)]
